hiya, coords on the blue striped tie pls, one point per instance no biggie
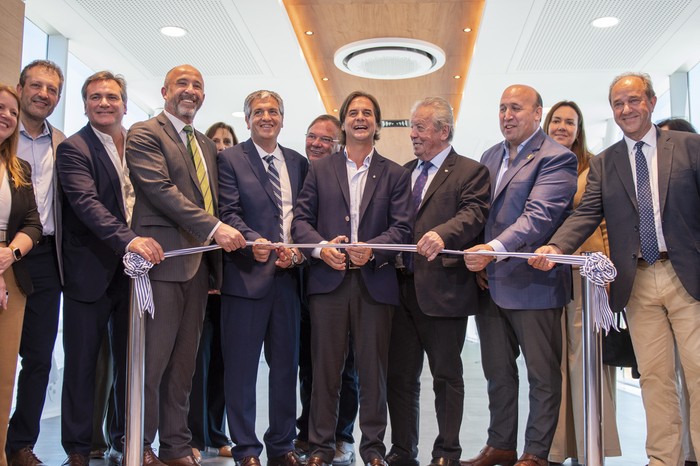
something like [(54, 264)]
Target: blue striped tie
[(274, 177)]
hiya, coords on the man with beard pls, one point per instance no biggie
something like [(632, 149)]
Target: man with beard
[(173, 169)]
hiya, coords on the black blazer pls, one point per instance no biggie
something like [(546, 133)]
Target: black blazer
[(24, 218)]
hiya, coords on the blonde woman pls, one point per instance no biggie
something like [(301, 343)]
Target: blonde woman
[(20, 229)]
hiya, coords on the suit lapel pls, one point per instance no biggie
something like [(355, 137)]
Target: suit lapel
[(524, 157), (100, 154), (292, 171), (440, 177), (341, 173), (664, 159), (182, 148), (622, 165), (258, 168), (374, 174)]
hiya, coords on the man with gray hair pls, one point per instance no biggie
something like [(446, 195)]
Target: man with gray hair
[(450, 202), (648, 188), (259, 181)]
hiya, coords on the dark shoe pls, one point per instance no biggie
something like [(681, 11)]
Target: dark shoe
[(288, 459), (225, 451), (489, 456), (114, 457), (444, 462), (188, 460), (531, 460), (98, 453), (302, 449), (76, 459), (316, 461), (344, 453), (150, 458), (377, 462), (691, 463), (249, 461), (395, 459), (24, 457)]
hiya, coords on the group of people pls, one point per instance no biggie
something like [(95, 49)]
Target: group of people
[(343, 311)]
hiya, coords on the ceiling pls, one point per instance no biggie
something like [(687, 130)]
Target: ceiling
[(244, 45)]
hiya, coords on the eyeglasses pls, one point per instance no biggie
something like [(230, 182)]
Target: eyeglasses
[(310, 137)]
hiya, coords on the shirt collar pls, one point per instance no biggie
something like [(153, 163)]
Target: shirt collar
[(649, 138), (522, 144), (177, 123), (365, 163), (45, 132), (438, 160), (277, 153), (104, 137)]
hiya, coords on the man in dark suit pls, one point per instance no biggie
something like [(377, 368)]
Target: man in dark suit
[(259, 181), (450, 201), (647, 187), (99, 198), (358, 196), (39, 90), (173, 169), (533, 180)]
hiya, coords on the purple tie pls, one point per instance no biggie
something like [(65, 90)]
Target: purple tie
[(647, 229), (417, 195)]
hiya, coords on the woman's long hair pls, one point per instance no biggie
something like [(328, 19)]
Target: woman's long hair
[(8, 148)]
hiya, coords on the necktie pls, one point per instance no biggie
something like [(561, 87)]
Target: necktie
[(201, 171), (417, 197), (647, 229), (274, 177)]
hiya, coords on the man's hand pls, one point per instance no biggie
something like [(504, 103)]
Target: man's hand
[(148, 248), (229, 238), (541, 262), (333, 257), (262, 249), (430, 245), (284, 257), (359, 256), (482, 280), (477, 262)]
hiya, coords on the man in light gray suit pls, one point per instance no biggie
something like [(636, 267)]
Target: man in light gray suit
[(174, 172)]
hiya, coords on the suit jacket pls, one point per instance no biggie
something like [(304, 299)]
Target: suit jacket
[(534, 197), (248, 204), (95, 233), (24, 217), (323, 212), (455, 206), (57, 137), (610, 193), (169, 203)]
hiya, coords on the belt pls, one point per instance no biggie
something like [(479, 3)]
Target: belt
[(353, 267), (404, 272), (45, 239), (3, 236), (663, 256)]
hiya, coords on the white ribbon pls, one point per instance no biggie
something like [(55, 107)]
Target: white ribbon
[(596, 267)]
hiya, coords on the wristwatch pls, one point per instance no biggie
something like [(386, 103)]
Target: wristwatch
[(16, 253), (295, 259)]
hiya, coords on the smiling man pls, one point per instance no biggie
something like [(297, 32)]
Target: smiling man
[(99, 200), (259, 181), (173, 169)]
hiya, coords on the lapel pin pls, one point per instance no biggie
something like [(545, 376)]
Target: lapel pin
[(374, 176), (530, 156), (446, 170)]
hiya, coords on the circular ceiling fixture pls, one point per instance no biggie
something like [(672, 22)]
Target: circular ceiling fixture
[(389, 58)]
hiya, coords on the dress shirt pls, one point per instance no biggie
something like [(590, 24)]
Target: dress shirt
[(180, 128), (38, 152), (650, 154), (357, 178), (5, 201), (119, 162), (505, 164), (437, 163), (285, 187)]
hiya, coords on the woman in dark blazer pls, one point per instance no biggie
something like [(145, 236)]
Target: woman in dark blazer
[(20, 229)]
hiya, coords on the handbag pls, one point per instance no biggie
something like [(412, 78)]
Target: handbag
[(617, 347)]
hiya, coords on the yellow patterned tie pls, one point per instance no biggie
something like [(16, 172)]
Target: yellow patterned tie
[(201, 171)]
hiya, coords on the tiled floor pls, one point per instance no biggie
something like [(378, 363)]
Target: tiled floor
[(630, 417)]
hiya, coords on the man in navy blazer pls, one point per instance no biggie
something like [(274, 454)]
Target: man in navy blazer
[(662, 293), (96, 234), (361, 197), (533, 182), (259, 181)]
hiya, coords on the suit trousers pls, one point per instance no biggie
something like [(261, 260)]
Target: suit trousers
[(10, 332), (661, 313), (349, 389), (503, 333), (414, 334), (84, 326), (206, 418), (247, 324), (568, 438), (349, 312), (172, 339), (39, 332)]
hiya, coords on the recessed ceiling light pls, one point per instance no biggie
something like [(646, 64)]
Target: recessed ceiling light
[(238, 114), (335, 110), (605, 22), (456, 76), (173, 31), (309, 33), (324, 79), (467, 29)]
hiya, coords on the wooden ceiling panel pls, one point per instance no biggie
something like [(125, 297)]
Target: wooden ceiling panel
[(336, 23)]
